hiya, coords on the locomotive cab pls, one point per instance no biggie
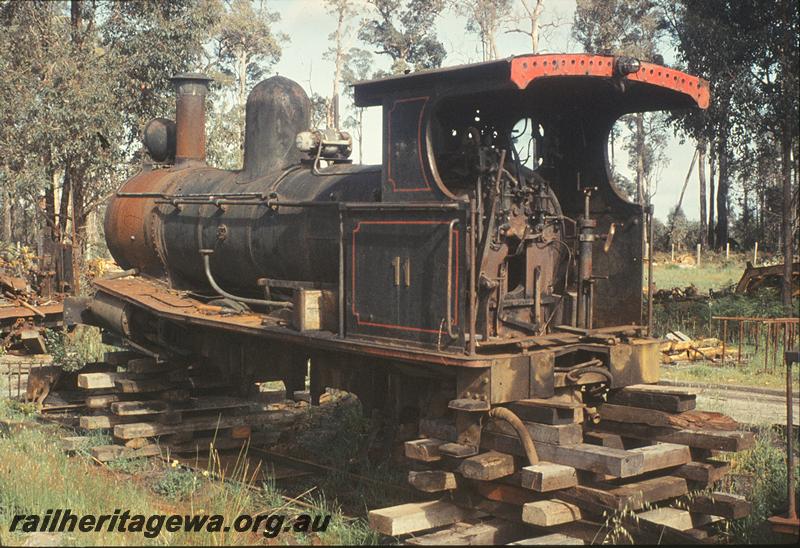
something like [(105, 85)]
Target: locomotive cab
[(522, 142)]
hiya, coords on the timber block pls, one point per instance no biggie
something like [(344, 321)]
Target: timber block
[(457, 450), (654, 397), (663, 455), (557, 434), (706, 472), (669, 517), (492, 532), (545, 513), (555, 539), (548, 476), (432, 481), (425, 450), (417, 516), (487, 466), (548, 411), (105, 453), (144, 365), (721, 504)]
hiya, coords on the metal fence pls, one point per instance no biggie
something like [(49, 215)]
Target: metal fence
[(14, 371), (768, 336)]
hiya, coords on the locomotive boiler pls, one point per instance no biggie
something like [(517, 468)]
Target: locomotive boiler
[(488, 259)]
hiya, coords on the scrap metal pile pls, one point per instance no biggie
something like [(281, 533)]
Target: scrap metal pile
[(28, 303)]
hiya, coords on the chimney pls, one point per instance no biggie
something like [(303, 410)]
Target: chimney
[(190, 117)]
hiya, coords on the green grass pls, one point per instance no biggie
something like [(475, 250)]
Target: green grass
[(36, 475), (709, 275), (750, 372)]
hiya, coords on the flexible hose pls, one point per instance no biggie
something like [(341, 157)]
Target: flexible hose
[(206, 253), (504, 414)]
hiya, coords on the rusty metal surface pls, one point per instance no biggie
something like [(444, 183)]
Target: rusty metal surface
[(161, 300), (12, 312), (128, 223), (757, 277), (190, 117), (521, 71)]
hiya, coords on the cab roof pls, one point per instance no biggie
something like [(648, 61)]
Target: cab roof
[(674, 88)]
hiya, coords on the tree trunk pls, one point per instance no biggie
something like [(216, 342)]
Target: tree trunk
[(241, 61), (701, 171), (711, 198), (78, 218), (787, 217), (6, 237), (722, 194), (337, 73), (63, 209), (50, 207), (537, 12), (686, 181), (640, 158), (789, 95)]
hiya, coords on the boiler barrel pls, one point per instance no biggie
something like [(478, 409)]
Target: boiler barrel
[(249, 241)]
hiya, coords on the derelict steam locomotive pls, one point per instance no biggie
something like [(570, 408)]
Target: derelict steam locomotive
[(488, 259)]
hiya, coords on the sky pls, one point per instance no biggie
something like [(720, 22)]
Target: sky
[(309, 25)]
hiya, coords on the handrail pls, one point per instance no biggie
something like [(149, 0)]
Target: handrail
[(447, 317)]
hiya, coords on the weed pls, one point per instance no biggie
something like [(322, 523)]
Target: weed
[(130, 466), (615, 525), (270, 496), (760, 475), (176, 484), (342, 530), (347, 443), (93, 439), (72, 351)]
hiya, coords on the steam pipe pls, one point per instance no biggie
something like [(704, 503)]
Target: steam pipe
[(206, 253)]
